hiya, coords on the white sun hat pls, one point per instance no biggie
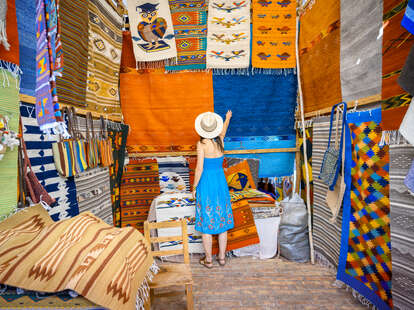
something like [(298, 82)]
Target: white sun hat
[(209, 125)]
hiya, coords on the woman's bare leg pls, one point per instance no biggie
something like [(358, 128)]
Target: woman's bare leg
[(222, 239), (207, 242)]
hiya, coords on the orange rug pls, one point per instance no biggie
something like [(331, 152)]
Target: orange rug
[(161, 108), (319, 53)]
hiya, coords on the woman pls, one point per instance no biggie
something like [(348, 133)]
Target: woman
[(213, 212)]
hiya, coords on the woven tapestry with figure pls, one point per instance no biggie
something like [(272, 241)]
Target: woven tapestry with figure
[(365, 257)]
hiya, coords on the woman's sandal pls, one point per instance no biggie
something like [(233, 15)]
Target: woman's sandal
[(221, 261), (203, 261)]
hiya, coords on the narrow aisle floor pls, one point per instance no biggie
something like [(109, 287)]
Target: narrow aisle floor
[(248, 283)]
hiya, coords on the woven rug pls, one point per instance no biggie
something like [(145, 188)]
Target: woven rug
[(274, 34), (74, 26), (152, 33), (139, 186), (189, 18), (9, 40), (402, 223), (396, 45), (274, 98), (228, 35), (406, 78), (360, 49), (319, 54), (108, 266), (309, 139), (244, 232), (39, 149), (9, 107), (408, 19), (167, 109), (365, 257), (104, 59), (174, 174), (326, 235), (253, 166)]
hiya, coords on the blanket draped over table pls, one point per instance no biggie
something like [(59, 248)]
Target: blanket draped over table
[(152, 33), (104, 59), (39, 150), (274, 34), (9, 41), (319, 42), (365, 257), (402, 227), (168, 106), (360, 49), (107, 265), (228, 35), (75, 31), (396, 45), (139, 186), (189, 18)]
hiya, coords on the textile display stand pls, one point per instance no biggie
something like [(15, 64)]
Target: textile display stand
[(305, 156)]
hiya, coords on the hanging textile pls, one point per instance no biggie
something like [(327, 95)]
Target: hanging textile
[(167, 109), (118, 134), (408, 19), (360, 48), (396, 45), (127, 56), (71, 86), (174, 174), (365, 257), (9, 41), (39, 149), (402, 223), (53, 37), (189, 18), (319, 42), (139, 186), (274, 35), (228, 36), (406, 78), (309, 140), (152, 33)]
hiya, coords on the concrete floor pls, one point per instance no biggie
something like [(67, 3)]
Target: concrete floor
[(248, 283)]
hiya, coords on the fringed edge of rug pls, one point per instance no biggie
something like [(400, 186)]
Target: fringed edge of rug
[(186, 71), (14, 70), (362, 299), (321, 260), (231, 71), (392, 137), (159, 64), (144, 291), (283, 71)]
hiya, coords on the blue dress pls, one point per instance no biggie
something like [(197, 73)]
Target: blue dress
[(213, 212)]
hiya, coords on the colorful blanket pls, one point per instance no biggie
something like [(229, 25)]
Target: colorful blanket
[(319, 54), (309, 139), (228, 35), (39, 149), (109, 266), (365, 257), (174, 174), (396, 45), (9, 41), (360, 49), (152, 33), (71, 86), (139, 186), (408, 19), (189, 18), (167, 109), (402, 223), (274, 34)]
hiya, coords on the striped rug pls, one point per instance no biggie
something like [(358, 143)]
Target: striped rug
[(174, 174), (326, 236)]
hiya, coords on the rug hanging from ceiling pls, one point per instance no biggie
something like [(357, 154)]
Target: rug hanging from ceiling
[(167, 109), (189, 18), (326, 235), (104, 59), (174, 174), (9, 107), (152, 33), (274, 35), (228, 35), (9, 39), (118, 134), (262, 105), (139, 186), (396, 45), (402, 223), (360, 49), (244, 232), (365, 257), (26, 17), (319, 54), (108, 266), (71, 86), (309, 139), (39, 150)]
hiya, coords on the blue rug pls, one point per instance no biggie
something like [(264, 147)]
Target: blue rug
[(26, 16), (41, 157)]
